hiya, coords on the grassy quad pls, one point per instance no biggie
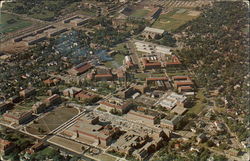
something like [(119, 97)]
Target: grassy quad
[(52, 120), (11, 23), (174, 19), (140, 13), (117, 62)]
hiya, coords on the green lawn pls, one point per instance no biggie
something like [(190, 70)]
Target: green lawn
[(117, 62), (51, 121), (44, 15), (140, 13), (174, 19), (10, 23), (199, 105), (120, 47)]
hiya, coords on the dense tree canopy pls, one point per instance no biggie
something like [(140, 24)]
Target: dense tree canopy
[(216, 50)]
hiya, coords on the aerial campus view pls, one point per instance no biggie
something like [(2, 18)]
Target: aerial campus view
[(124, 80)]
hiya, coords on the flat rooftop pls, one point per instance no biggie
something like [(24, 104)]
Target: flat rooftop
[(154, 30)]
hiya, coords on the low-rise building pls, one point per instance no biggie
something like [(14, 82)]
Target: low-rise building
[(149, 65), (6, 147), (32, 40), (79, 21), (127, 92), (52, 100), (83, 95), (151, 48), (39, 107), (104, 77), (5, 106), (115, 104), (90, 131), (183, 84), (36, 147), (173, 62), (55, 31), (51, 81), (15, 99), (101, 74), (171, 124), (152, 33), (17, 117), (71, 92), (173, 100), (128, 63), (201, 138), (141, 117), (27, 92), (52, 91), (80, 69)]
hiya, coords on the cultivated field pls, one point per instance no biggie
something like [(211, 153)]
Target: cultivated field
[(11, 23), (51, 121), (174, 19)]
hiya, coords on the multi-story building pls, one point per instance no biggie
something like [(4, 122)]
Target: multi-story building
[(152, 33), (39, 107), (6, 147), (90, 131), (141, 117), (80, 69), (27, 92), (5, 106), (17, 117)]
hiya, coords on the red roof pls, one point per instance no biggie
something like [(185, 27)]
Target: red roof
[(51, 98), (153, 64), (186, 87), (175, 61), (83, 68), (84, 94), (180, 77), (103, 75), (183, 83)]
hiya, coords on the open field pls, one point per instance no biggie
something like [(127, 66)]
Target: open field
[(11, 23), (103, 157), (199, 104), (140, 13), (51, 121), (68, 144), (117, 62), (174, 19)]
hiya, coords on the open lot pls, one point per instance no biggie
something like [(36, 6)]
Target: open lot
[(140, 13), (11, 23), (174, 19), (117, 62), (68, 144), (51, 121), (199, 104)]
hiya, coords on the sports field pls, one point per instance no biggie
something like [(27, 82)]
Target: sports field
[(140, 13), (174, 19), (11, 23), (51, 121)]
